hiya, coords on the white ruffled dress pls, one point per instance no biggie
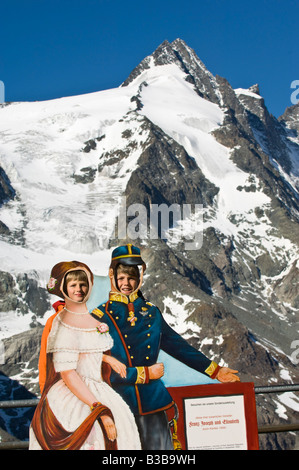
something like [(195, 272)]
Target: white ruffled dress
[(82, 350)]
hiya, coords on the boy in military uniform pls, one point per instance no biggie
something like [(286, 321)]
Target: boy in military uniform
[(139, 332)]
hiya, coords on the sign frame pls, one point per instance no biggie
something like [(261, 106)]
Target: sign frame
[(246, 389)]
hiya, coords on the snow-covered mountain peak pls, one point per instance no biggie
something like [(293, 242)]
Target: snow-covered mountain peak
[(186, 60)]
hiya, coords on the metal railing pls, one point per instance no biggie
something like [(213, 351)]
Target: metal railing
[(18, 445), (280, 427)]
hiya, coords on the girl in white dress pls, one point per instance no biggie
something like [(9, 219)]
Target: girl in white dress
[(78, 409)]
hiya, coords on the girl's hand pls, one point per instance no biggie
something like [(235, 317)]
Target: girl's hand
[(116, 365), (109, 427)]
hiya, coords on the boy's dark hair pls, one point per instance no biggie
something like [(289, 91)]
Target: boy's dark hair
[(130, 270)]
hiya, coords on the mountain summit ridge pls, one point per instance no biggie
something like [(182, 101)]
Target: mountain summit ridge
[(179, 53)]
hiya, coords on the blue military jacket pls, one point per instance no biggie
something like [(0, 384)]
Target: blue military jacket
[(138, 338)]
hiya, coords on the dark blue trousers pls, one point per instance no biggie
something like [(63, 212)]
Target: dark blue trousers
[(154, 431)]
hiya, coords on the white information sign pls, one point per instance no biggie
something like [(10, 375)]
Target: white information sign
[(215, 423)]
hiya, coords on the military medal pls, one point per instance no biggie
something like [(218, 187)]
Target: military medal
[(144, 311), (132, 319)]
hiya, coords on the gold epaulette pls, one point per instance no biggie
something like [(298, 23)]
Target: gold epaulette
[(98, 312)]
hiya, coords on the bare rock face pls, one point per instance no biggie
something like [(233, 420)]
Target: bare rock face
[(22, 293), (287, 288), (22, 351), (176, 176), (290, 120), (19, 381), (6, 190)]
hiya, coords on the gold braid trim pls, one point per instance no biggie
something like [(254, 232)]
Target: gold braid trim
[(176, 443), (142, 375), (118, 297), (212, 368)]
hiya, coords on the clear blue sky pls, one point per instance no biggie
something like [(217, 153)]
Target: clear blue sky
[(55, 48)]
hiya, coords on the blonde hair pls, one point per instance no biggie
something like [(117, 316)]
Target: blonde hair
[(77, 275)]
